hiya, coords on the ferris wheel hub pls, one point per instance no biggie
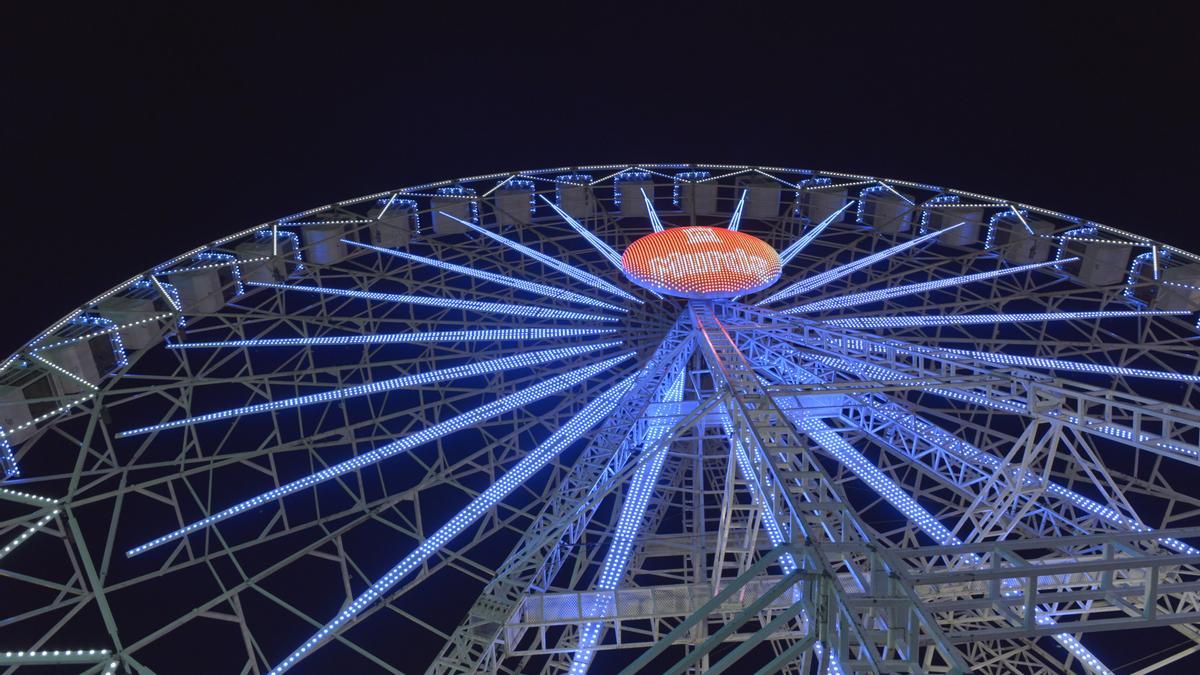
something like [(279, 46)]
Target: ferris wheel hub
[(701, 263)]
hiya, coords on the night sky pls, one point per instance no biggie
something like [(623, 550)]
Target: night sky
[(133, 134)]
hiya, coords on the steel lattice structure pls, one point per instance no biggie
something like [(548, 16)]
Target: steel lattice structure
[(437, 425)]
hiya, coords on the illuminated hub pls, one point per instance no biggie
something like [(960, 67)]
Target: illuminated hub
[(701, 263)]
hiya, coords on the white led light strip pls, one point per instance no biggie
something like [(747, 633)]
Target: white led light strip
[(532, 287), (871, 322), (448, 303), (596, 242), (485, 335), (800, 244), (569, 270)]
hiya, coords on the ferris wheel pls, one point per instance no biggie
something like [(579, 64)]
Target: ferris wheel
[(641, 418)]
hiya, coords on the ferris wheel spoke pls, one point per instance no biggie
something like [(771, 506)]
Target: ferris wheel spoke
[(567, 269), (854, 299), (561, 439), (429, 377), (599, 244), (551, 292), (485, 335), (922, 320), (462, 421), (800, 244), (807, 284), (448, 303)]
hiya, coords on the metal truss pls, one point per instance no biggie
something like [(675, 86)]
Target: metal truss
[(436, 428)]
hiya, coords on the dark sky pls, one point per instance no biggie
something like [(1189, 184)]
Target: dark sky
[(133, 133)]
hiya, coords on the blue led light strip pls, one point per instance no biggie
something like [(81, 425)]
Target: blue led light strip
[(655, 223), (522, 360), (486, 335), (808, 284), (633, 513), (448, 303), (870, 322), (561, 439), (800, 244), (878, 295), (532, 287), (470, 418), (569, 270), (1060, 364), (735, 221), (598, 243)]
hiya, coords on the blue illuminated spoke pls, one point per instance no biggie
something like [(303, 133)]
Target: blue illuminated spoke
[(530, 286), (430, 377), (1074, 366), (919, 321), (530, 311), (655, 223), (596, 242), (569, 270), (423, 337), (800, 244), (816, 281), (881, 294), (633, 513), (465, 420), (561, 439), (735, 221)]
